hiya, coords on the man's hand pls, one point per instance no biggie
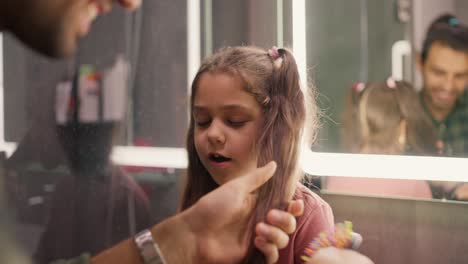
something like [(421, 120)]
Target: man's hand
[(219, 220), (214, 230)]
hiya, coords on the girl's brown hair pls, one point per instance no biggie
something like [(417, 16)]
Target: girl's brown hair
[(372, 118), (274, 82)]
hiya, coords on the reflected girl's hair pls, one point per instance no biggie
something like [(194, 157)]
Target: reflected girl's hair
[(372, 116), (274, 82)]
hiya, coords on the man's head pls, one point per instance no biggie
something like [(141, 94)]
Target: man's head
[(53, 27), (444, 65)]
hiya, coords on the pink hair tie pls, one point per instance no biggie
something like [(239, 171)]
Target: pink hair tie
[(274, 53), (391, 83), (359, 87)]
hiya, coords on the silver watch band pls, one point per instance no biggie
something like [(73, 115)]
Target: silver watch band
[(149, 250)]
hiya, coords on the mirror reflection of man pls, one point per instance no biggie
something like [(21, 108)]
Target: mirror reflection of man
[(443, 63)]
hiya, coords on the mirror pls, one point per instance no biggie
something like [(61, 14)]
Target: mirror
[(352, 48)]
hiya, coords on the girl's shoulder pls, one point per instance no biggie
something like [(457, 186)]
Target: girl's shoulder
[(317, 217), (312, 201)]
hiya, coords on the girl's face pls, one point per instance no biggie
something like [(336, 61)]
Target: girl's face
[(227, 120)]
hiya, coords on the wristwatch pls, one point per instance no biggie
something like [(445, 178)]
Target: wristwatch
[(149, 250)]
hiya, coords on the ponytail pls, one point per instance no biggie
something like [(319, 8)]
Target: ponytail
[(280, 139)]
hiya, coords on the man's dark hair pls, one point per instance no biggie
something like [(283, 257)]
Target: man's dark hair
[(446, 30)]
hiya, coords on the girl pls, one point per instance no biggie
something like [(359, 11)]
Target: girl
[(385, 118), (247, 108)]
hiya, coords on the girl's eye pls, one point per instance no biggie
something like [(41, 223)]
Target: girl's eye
[(236, 123), (202, 123)]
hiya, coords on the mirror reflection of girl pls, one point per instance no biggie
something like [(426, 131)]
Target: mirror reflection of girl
[(385, 118), (247, 108)]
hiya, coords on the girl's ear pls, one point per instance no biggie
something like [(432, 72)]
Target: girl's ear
[(402, 133)]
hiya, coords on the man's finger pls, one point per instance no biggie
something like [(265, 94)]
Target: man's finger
[(268, 249), (281, 219), (272, 234), (252, 181)]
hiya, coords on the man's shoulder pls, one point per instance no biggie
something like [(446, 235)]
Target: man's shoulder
[(461, 108), (462, 100)]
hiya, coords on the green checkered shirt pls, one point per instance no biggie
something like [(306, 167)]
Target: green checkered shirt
[(453, 131)]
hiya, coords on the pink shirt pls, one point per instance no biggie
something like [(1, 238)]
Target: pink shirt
[(317, 217)]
